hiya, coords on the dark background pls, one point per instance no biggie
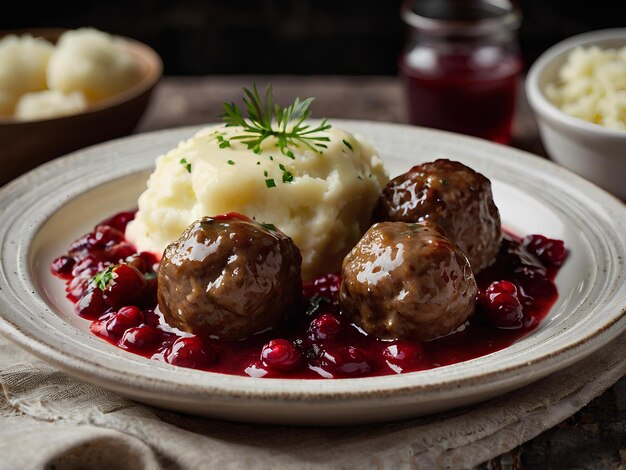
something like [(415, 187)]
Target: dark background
[(199, 37)]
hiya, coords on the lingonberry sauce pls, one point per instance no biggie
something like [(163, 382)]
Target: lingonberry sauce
[(114, 287)]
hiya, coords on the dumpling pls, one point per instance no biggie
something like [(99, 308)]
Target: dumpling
[(93, 63), (49, 103), (23, 62)]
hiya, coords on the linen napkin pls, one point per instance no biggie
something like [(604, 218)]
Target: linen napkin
[(52, 420)]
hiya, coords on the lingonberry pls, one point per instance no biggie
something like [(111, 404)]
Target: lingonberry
[(127, 286), (91, 305), (346, 360), (140, 337), (280, 354), (190, 352), (549, 251), (403, 355), (125, 318), (62, 267), (501, 305), (326, 326)]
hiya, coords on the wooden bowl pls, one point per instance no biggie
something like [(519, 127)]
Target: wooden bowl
[(27, 144)]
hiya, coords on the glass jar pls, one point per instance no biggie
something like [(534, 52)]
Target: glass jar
[(461, 65)]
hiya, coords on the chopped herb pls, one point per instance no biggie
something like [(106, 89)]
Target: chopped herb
[(258, 163), (265, 173), (230, 162), (347, 144), (265, 119), (287, 175), (444, 181), (315, 303), (186, 165), (271, 158), (257, 150), (103, 278), (359, 177), (290, 154), (223, 143), (270, 183), (269, 226)]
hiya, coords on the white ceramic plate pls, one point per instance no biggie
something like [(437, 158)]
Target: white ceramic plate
[(45, 210)]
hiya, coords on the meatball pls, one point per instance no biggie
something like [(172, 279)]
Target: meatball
[(454, 197), (407, 281), (229, 277)]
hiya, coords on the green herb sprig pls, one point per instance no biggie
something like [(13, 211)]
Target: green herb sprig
[(266, 119), (103, 278)]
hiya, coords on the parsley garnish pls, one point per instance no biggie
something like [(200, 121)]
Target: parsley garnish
[(222, 141), (270, 183), (103, 278), (269, 226), (347, 144), (315, 303), (444, 181), (287, 175), (266, 119), (230, 162), (186, 165)]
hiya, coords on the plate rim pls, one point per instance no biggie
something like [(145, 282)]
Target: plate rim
[(542, 365)]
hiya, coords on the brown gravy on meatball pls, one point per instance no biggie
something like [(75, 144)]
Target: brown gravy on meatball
[(229, 277)]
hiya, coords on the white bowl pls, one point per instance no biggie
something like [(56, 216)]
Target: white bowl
[(592, 151)]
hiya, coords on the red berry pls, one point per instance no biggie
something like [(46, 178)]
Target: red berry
[(125, 318), (80, 245), (501, 305), (152, 262), (549, 251), (119, 251), (403, 355), (76, 288), (346, 360), (119, 221), (326, 326), (190, 352), (62, 267), (126, 287), (89, 266), (140, 337), (104, 236), (280, 354), (91, 305)]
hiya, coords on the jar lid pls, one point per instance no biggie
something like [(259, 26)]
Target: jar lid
[(460, 17)]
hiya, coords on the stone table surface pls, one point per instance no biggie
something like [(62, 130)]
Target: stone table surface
[(595, 437)]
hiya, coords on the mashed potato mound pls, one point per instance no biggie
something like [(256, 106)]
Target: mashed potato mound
[(23, 62), (92, 62), (593, 86), (49, 103), (323, 201)]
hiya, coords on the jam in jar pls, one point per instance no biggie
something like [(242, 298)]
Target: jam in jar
[(461, 65)]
